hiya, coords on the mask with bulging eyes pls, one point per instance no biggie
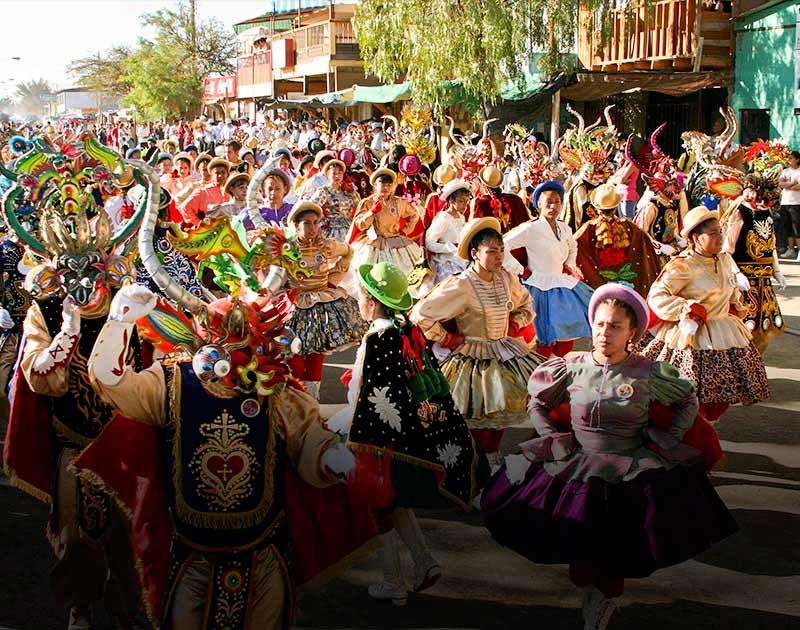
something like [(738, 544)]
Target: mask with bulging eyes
[(211, 363)]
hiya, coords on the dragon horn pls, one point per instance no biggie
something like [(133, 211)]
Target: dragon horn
[(394, 121), (653, 136), (102, 231), (594, 125), (486, 127), (450, 135), (9, 210), (607, 114), (581, 122), (150, 260), (645, 171), (732, 125)]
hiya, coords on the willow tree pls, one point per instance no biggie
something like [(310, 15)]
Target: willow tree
[(482, 43)]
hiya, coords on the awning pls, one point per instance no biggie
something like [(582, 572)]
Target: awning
[(382, 93), (590, 86)]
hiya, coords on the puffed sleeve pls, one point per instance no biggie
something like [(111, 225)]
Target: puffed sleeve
[(344, 253), (363, 217), (434, 236), (732, 228), (665, 298), (548, 388), (645, 217), (306, 438), (409, 213), (44, 375), (139, 395), (572, 256), (522, 312), (668, 388), (447, 300)]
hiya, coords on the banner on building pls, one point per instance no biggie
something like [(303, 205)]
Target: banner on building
[(216, 88)]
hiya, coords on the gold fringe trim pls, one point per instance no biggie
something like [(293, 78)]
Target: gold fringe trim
[(29, 488)]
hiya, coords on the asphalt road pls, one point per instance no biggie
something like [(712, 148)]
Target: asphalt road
[(749, 582)]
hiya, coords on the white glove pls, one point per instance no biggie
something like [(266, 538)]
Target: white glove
[(70, 317), (664, 249), (5, 319), (341, 421), (338, 461), (742, 282), (681, 242), (131, 302), (517, 467), (781, 280), (688, 327)]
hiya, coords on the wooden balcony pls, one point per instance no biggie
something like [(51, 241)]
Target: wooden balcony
[(675, 35), (333, 39)]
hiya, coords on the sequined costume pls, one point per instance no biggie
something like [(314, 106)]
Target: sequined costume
[(338, 205)]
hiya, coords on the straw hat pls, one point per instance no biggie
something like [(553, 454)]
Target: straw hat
[(605, 197), (233, 179), (491, 176), (382, 171), (321, 155), (452, 186), (471, 229), (300, 207), (695, 217), (334, 163), (443, 174), (203, 157), (218, 161), (183, 156)]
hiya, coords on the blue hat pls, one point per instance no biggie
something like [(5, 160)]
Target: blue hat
[(189, 147), (129, 154), (282, 151), (544, 186), (164, 156)]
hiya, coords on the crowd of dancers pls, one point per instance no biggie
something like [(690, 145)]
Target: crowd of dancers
[(167, 313)]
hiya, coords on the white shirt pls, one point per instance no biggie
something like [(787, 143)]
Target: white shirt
[(547, 254), (442, 234), (790, 197)]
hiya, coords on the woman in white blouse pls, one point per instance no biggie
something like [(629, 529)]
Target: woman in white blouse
[(441, 237), (560, 298)]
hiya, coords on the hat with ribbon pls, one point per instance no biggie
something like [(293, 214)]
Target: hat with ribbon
[(387, 283)]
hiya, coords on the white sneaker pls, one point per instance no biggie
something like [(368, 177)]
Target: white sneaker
[(385, 590), (427, 575), (597, 610)]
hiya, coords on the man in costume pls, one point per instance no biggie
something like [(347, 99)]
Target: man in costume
[(612, 249), (54, 411), (237, 431), (509, 209), (588, 151)]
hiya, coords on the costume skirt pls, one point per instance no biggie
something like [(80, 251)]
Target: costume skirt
[(328, 326), (446, 268), (489, 393), (336, 228), (561, 314), (763, 317), (735, 375), (400, 250), (629, 529)]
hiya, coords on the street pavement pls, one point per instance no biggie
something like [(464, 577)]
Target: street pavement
[(750, 581)]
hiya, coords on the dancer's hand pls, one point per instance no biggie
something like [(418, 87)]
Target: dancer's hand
[(132, 302), (70, 317)]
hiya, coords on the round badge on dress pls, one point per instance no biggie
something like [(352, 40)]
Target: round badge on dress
[(250, 407), (509, 306), (624, 391)]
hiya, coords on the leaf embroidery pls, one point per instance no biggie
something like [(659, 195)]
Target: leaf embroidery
[(385, 408)]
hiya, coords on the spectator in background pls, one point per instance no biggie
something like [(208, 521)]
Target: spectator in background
[(787, 229)]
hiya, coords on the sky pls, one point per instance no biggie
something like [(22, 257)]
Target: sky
[(47, 34)]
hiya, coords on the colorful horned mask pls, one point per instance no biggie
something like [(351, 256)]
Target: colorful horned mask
[(660, 174), (63, 182), (589, 150)]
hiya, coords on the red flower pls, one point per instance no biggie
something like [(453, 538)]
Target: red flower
[(611, 257)]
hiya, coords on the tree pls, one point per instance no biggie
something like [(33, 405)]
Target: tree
[(6, 104), (30, 96), (482, 43), (166, 74), (103, 72)]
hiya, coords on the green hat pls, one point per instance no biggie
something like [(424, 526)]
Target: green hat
[(387, 284)]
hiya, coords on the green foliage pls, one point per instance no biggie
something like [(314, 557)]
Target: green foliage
[(483, 43), (163, 77), (103, 72), (28, 96)]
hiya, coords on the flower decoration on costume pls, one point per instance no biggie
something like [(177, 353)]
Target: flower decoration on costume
[(385, 408)]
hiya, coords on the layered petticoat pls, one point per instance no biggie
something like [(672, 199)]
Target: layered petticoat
[(400, 250), (489, 381), (328, 326), (336, 227), (562, 314), (659, 518), (733, 375)]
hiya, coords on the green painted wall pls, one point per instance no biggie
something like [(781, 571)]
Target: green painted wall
[(765, 72)]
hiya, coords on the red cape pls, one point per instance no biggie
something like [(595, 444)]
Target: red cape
[(326, 525), (29, 453)]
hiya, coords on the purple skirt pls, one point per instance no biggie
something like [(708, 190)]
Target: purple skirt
[(628, 529)]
